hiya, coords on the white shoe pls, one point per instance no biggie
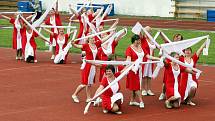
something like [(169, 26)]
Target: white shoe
[(144, 93), (105, 111), (134, 103), (191, 103), (20, 58), (35, 61), (162, 96), (53, 56), (150, 93), (141, 105), (118, 112), (75, 99), (17, 57)]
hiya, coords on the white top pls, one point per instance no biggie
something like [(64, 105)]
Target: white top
[(17, 24), (191, 64), (53, 22), (94, 52), (107, 51), (176, 74), (190, 77), (140, 55), (18, 36), (61, 43), (114, 87), (28, 36)]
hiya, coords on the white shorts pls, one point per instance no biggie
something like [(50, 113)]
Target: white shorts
[(115, 97), (147, 70)]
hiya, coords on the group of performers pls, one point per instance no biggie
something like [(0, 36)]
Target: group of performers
[(179, 83)]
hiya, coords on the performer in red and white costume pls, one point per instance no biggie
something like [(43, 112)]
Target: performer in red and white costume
[(176, 37), (189, 82), (173, 70), (29, 44), (99, 20), (81, 23), (87, 70), (134, 80), (111, 98), (54, 20), (83, 26), (149, 47), (17, 38), (61, 42)]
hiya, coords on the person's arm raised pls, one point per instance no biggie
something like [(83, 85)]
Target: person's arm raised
[(5, 17), (77, 45), (199, 51)]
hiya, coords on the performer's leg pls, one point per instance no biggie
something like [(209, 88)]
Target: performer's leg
[(176, 103), (132, 100), (172, 102), (162, 95), (191, 95), (35, 57), (133, 95), (115, 108), (53, 50), (144, 86), (149, 92), (88, 92), (139, 95), (78, 90), (17, 54), (20, 54), (192, 92)]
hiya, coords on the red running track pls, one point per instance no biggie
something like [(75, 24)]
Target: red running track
[(42, 92)]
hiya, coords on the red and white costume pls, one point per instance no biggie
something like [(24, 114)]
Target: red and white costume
[(81, 26), (61, 44), (134, 80), (188, 80), (54, 21), (17, 30), (149, 48), (111, 95), (84, 27), (173, 81), (90, 18), (29, 44), (88, 70), (165, 72), (103, 54)]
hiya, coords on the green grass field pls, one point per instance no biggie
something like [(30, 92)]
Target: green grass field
[(6, 41)]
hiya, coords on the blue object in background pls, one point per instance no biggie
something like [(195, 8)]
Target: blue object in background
[(25, 6), (104, 5), (211, 15)]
